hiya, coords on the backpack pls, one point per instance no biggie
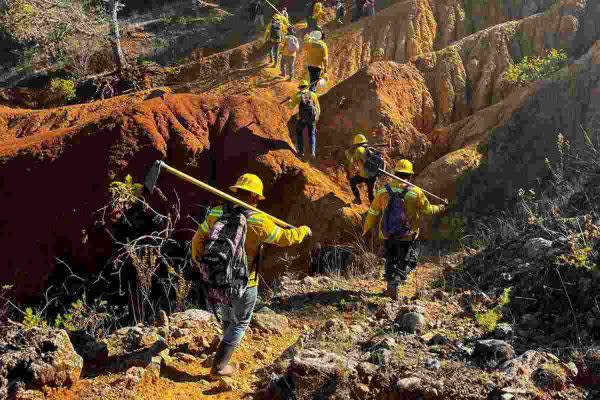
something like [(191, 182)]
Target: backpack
[(224, 265), (395, 221), (307, 107), (275, 31), (293, 44), (373, 162)]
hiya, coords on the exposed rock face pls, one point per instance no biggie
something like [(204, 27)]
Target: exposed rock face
[(518, 149), (124, 136), (37, 358), (493, 351), (388, 98)]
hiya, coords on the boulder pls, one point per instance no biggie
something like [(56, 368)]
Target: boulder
[(438, 339), (310, 364), (366, 370), (551, 376), (269, 323), (38, 358), (191, 318), (493, 351), (411, 322)]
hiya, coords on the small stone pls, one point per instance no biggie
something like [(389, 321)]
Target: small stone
[(133, 376), (388, 343), (366, 370), (503, 331), (163, 319), (184, 357), (438, 339), (309, 280), (409, 384), (362, 390), (432, 363), (408, 308), (380, 357), (537, 247), (507, 396), (493, 350), (356, 329), (412, 322), (177, 333)]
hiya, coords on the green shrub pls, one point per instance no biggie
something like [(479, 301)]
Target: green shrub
[(535, 68), (63, 89), (488, 320), (33, 319)]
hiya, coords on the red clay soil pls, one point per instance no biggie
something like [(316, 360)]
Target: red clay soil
[(388, 101), (56, 166)]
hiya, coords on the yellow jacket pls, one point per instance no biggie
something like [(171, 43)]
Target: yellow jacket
[(261, 229), (284, 27), (295, 100), (316, 54), (415, 204), (318, 12), (357, 160)]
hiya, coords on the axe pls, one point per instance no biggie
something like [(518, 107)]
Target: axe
[(154, 172)]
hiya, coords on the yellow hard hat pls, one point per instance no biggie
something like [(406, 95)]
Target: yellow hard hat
[(404, 166), (250, 183), (303, 84), (360, 139)]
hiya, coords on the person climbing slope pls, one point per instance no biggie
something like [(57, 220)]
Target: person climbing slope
[(259, 14), (274, 35), (398, 208), (316, 56), (224, 225), (289, 48), (308, 115), (366, 161), (340, 11)]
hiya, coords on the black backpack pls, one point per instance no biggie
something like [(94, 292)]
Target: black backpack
[(373, 162), (224, 264), (307, 107), (276, 34)]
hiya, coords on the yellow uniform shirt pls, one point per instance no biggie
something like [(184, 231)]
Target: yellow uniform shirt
[(415, 204), (261, 229), (295, 100), (284, 27), (357, 160), (316, 53)]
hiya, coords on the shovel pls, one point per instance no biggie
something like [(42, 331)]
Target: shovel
[(152, 179), (445, 201)]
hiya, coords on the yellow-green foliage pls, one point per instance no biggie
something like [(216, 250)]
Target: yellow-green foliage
[(33, 319), (64, 89), (488, 320), (531, 69), (72, 318), (125, 193)]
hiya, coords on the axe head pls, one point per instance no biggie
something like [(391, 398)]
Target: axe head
[(152, 176)]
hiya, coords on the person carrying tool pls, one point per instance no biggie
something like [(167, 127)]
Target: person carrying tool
[(223, 227), (316, 56), (259, 14), (366, 161), (368, 8), (340, 11), (289, 48), (398, 207), (308, 115), (274, 36)]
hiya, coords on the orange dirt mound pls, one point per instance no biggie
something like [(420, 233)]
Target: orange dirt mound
[(387, 99), (56, 171)]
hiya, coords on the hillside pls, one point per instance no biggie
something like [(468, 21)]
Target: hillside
[(495, 103)]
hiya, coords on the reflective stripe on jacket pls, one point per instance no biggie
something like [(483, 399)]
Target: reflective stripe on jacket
[(261, 229), (415, 204)]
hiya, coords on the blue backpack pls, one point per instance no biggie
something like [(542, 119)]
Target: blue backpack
[(395, 221)]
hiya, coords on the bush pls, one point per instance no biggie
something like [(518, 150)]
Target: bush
[(535, 68), (63, 89)]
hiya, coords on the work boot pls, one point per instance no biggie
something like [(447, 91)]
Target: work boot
[(392, 292), (221, 367)]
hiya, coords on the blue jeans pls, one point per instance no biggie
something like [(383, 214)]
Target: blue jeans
[(236, 317), (312, 136)]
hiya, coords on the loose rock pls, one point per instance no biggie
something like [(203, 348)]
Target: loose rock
[(412, 322)]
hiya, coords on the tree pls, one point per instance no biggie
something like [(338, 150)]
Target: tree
[(119, 58)]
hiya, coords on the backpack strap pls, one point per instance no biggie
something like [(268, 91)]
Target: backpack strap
[(389, 190), (404, 192)]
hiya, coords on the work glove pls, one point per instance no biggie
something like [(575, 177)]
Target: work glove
[(443, 208), (307, 231)]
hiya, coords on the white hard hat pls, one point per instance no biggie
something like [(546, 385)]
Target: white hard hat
[(322, 83), (316, 35)]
